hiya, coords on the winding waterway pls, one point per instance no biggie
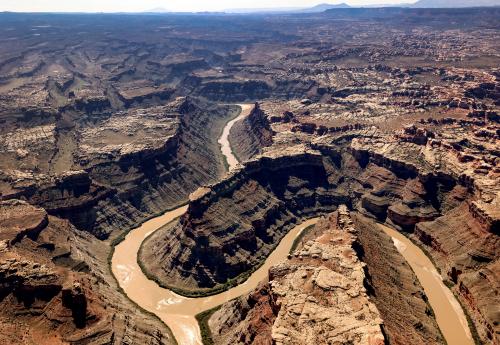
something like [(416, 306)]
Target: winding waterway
[(449, 313), (231, 159), (176, 311), (179, 312)]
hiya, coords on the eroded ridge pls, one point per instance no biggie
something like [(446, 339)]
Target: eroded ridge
[(232, 226), (53, 290), (316, 296)]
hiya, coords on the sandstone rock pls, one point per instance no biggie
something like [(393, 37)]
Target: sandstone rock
[(311, 302), (19, 219), (249, 136), (74, 298)]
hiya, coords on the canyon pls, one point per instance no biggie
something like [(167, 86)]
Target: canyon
[(302, 178)]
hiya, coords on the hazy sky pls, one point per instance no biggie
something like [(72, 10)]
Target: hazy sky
[(172, 5)]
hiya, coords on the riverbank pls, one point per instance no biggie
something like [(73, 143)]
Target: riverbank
[(123, 272), (231, 160), (176, 311), (179, 311), (448, 311)]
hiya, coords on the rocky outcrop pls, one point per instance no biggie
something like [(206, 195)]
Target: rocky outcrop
[(230, 227), (139, 93), (89, 104), (394, 289), (247, 319), (73, 297), (467, 254), (321, 295), (19, 220), (249, 136), (131, 167), (55, 286), (317, 296), (68, 195), (28, 281)]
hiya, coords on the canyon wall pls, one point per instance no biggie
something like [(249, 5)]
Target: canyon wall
[(249, 136), (118, 186), (233, 225), (236, 91), (307, 296), (230, 227), (56, 287), (394, 288)]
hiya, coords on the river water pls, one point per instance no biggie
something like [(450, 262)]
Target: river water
[(179, 312), (176, 311), (449, 313), (232, 161)]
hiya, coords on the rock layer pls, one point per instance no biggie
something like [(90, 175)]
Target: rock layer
[(317, 296), (250, 136), (394, 288), (381, 177), (55, 287), (144, 170), (232, 226)]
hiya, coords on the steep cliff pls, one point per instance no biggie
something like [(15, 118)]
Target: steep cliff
[(131, 167), (458, 223), (466, 252), (56, 288), (249, 136), (394, 289), (237, 90), (293, 306), (232, 226)]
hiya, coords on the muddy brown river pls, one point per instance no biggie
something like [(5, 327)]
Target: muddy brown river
[(176, 311), (179, 312), (232, 161), (449, 313)]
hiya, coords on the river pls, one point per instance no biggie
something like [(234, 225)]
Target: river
[(176, 311), (231, 159), (179, 312), (449, 313)]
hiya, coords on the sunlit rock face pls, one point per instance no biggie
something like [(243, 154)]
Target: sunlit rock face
[(319, 294), (52, 286)]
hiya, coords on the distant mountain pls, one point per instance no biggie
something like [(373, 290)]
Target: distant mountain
[(403, 4), (316, 9), (454, 3), (323, 8), (262, 10)]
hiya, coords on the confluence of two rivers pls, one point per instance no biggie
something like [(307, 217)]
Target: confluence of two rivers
[(179, 312)]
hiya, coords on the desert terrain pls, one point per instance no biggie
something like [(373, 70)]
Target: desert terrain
[(294, 178)]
